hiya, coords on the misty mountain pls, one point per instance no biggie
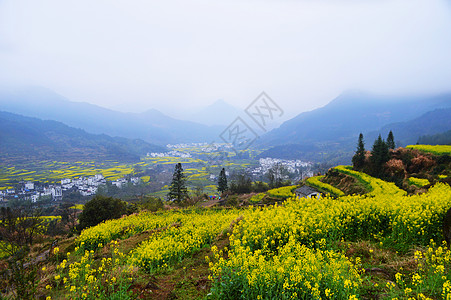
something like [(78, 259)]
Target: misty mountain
[(218, 113), (151, 126), (408, 133), (348, 115), (24, 139)]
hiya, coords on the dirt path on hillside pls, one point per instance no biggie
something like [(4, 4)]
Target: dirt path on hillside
[(210, 203)]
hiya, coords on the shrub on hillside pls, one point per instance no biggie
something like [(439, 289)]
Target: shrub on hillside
[(152, 203), (99, 209), (395, 171), (259, 186), (421, 162)]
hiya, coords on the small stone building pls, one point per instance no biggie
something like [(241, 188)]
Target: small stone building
[(306, 191)]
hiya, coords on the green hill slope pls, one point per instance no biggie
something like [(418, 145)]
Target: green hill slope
[(23, 138)]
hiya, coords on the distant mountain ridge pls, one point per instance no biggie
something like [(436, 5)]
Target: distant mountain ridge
[(330, 133), (329, 130), (151, 126), (348, 115), (408, 133), (24, 138)]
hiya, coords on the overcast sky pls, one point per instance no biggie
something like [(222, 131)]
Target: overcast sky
[(180, 54)]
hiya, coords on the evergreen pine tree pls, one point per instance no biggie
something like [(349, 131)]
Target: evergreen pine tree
[(358, 160), (391, 140), (177, 189), (379, 156), (222, 181), (385, 154)]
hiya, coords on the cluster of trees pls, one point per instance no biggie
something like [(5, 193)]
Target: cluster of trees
[(240, 183), (443, 138), (278, 176), (378, 157), (178, 191)]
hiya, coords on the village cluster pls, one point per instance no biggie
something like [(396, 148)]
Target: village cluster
[(301, 168), (86, 186), (204, 147), (195, 147), (169, 154)]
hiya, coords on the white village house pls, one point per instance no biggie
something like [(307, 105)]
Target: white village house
[(29, 185)]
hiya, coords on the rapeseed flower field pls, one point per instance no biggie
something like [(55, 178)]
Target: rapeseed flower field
[(437, 149), (296, 250)]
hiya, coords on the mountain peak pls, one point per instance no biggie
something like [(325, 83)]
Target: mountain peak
[(220, 102), (354, 97), (153, 111), (218, 113)]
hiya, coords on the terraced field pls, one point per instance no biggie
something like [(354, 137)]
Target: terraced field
[(197, 170), (53, 171)]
